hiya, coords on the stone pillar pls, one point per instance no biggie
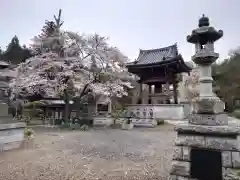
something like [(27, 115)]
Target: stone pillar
[(205, 81), (206, 141), (175, 93)]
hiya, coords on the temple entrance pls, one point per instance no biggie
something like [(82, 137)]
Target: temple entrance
[(206, 164)]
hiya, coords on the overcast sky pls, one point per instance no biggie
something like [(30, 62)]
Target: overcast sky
[(130, 24)]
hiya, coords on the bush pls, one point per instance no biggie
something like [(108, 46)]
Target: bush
[(160, 121), (84, 127), (74, 126), (58, 121), (236, 114), (28, 132)]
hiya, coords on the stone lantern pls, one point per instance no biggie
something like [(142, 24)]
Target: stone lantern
[(206, 148)]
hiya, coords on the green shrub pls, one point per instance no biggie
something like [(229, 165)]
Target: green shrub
[(160, 121), (75, 126), (58, 121), (84, 127), (28, 132), (236, 114)]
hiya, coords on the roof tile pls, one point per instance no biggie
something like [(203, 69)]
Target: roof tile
[(156, 55)]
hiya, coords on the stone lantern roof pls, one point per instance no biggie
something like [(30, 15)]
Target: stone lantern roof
[(204, 33)]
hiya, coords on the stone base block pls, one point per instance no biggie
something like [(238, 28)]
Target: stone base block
[(208, 119), (200, 129), (208, 142), (210, 105), (127, 126), (181, 153), (231, 174), (180, 168)]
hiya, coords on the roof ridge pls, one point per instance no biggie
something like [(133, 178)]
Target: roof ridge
[(158, 49)]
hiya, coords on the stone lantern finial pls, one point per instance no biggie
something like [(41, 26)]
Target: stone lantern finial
[(203, 21)]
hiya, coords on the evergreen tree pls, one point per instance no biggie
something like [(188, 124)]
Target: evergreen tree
[(51, 29), (14, 53), (1, 54), (227, 79)]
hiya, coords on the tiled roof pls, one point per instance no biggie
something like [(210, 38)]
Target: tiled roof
[(156, 55), (3, 63)]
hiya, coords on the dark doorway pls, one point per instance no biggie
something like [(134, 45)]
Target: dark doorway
[(206, 164), (149, 101)]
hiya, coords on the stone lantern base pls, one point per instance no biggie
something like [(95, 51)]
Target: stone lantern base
[(206, 152)]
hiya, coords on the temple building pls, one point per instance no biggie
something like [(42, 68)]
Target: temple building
[(159, 70)]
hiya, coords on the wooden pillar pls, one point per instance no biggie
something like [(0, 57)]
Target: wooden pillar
[(149, 94), (59, 113), (175, 94)]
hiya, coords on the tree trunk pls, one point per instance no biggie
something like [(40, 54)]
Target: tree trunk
[(78, 99), (77, 107), (66, 107)]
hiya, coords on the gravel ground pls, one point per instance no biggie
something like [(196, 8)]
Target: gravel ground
[(100, 154)]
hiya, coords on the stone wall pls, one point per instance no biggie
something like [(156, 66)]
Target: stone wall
[(141, 122), (227, 143), (159, 111), (11, 136)]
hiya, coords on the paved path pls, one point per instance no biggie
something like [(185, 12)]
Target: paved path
[(96, 154)]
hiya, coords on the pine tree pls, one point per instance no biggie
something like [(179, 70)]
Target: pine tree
[(14, 53)]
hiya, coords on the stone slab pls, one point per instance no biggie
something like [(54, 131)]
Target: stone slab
[(187, 127), (12, 145), (177, 153), (12, 126), (192, 141), (231, 174), (102, 121), (138, 122), (186, 151), (224, 144), (158, 111), (209, 105), (221, 143), (11, 136), (208, 119), (236, 159), (226, 159), (180, 168)]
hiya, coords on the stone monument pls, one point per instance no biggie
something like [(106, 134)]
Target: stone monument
[(206, 148)]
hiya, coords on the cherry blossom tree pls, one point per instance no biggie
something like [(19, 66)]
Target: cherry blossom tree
[(71, 65), (190, 85)]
